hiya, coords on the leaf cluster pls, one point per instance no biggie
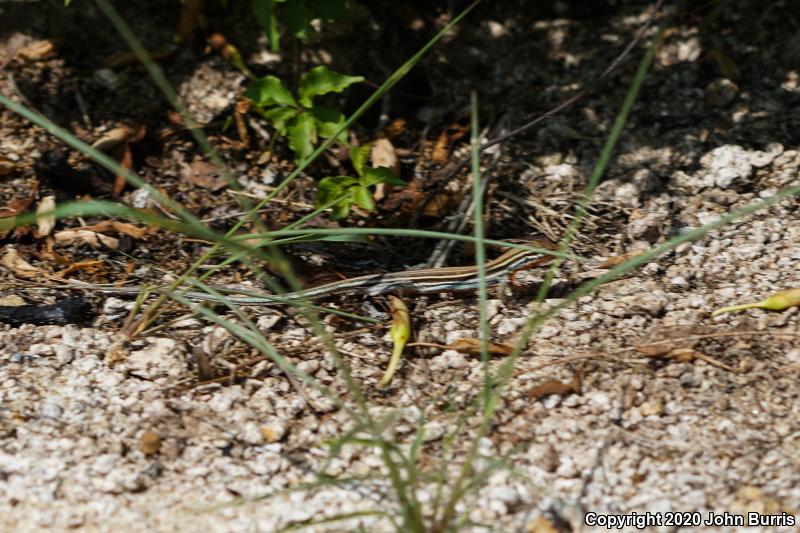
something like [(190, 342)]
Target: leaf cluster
[(345, 191), (296, 116)]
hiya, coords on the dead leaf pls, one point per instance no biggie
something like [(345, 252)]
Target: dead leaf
[(383, 155), (18, 205), (114, 138), (204, 175), (111, 226), (242, 106), (615, 260), (90, 265), (6, 166), (472, 346), (682, 355), (441, 204), (47, 253), (396, 128), (19, 266), (117, 143), (655, 350), (553, 386), (441, 150), (36, 50), (12, 300), (80, 237), (45, 216), (15, 207)]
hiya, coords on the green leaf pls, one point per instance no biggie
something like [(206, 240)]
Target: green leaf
[(327, 9), (375, 175), (279, 117), (302, 136), (297, 18), (319, 80), (269, 91), (362, 196), (333, 187), (228, 123), (359, 156), (264, 12), (340, 210), (328, 121)]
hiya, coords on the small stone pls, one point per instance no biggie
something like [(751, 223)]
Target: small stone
[(721, 92), (433, 430), (150, 442), (652, 408), (273, 431), (50, 409), (679, 282)]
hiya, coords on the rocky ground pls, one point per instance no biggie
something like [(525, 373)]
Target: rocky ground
[(134, 442)]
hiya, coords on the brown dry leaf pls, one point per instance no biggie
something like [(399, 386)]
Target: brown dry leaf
[(12, 300), (682, 355), (441, 150), (114, 138), (383, 155), (116, 142), (79, 237), (110, 226), (242, 107), (45, 216), (19, 266), (204, 175), (125, 162), (553, 386), (6, 166), (90, 265), (472, 346), (47, 253), (441, 204), (36, 50), (396, 128), (17, 206), (655, 349), (615, 260)]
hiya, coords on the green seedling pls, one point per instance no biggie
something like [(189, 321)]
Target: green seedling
[(296, 117), (344, 191), (296, 16)]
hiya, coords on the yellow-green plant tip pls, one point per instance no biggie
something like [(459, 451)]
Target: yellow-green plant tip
[(400, 332), (740, 307), (777, 302), (394, 362), (783, 300)]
